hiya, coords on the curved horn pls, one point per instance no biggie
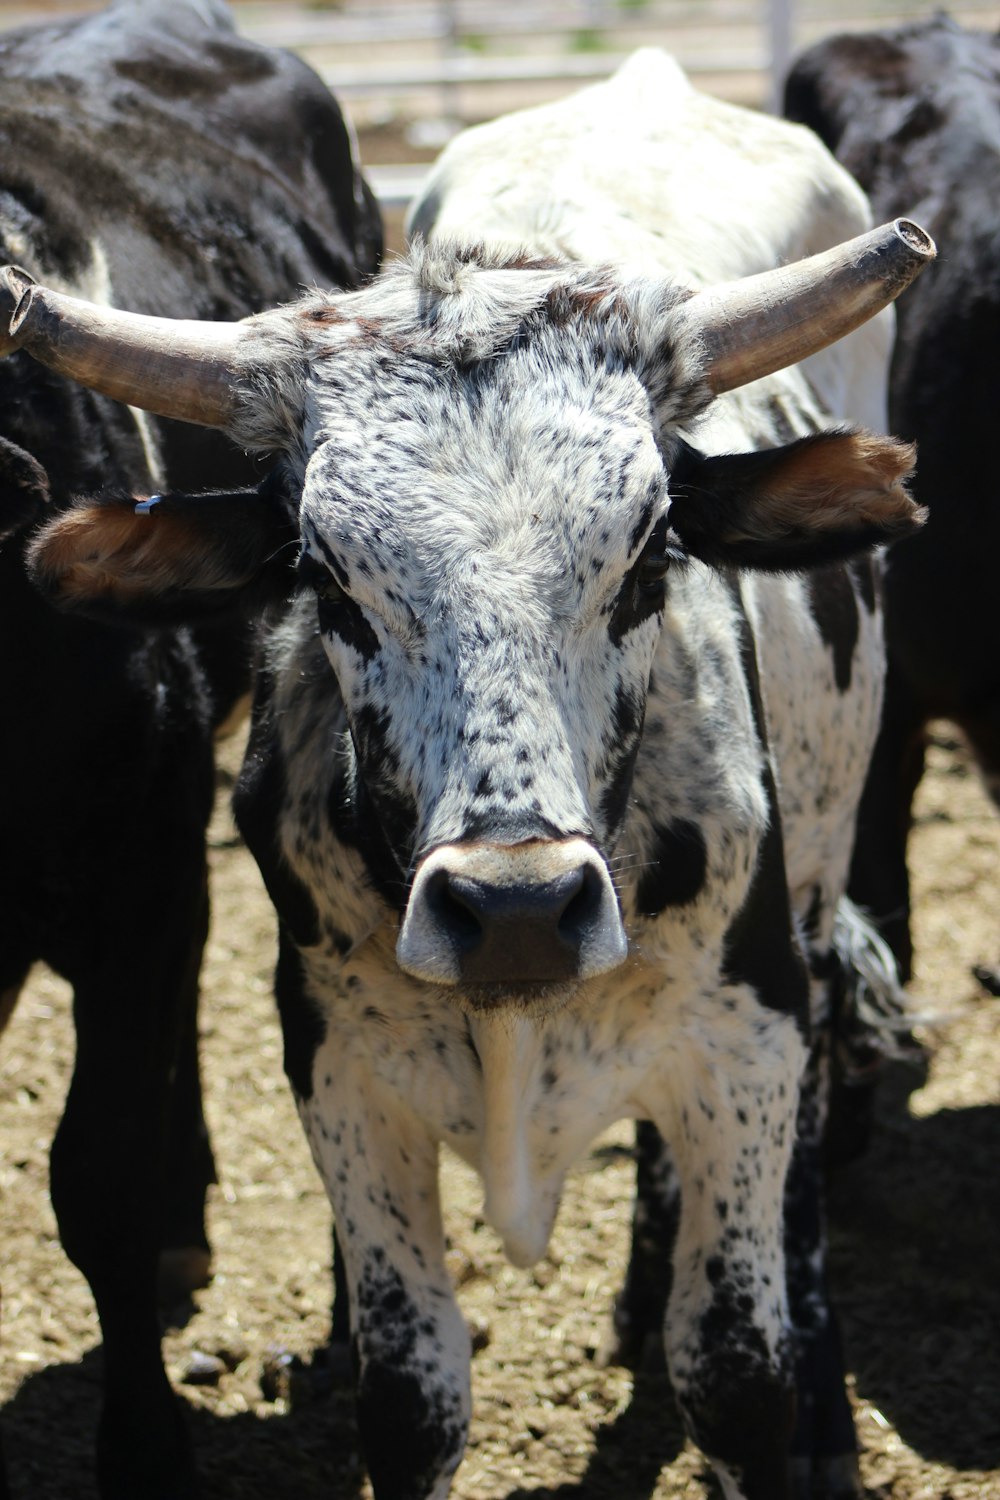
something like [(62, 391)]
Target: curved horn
[(764, 323), (176, 368)]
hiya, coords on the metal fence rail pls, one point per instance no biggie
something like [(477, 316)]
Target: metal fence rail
[(390, 54), (462, 60), (454, 61), (446, 55)]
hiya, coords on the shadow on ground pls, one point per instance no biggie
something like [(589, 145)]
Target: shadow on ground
[(915, 1226), (915, 1238), (629, 1451), (310, 1452)]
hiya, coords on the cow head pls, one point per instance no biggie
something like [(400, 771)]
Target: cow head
[(484, 467)]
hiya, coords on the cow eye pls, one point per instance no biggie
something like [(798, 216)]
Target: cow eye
[(319, 578), (328, 591), (661, 551), (651, 571)]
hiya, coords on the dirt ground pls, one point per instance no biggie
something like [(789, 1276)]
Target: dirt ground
[(914, 1228)]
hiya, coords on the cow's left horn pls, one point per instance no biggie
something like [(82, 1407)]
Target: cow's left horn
[(176, 368), (764, 323)]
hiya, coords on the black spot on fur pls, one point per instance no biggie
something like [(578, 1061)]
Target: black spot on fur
[(302, 1024), (813, 914), (346, 620), (866, 575), (385, 815), (258, 800), (676, 873), (370, 732), (339, 614), (411, 1428), (760, 947), (641, 526), (627, 721), (835, 610), (741, 1405), (635, 603), (357, 822)]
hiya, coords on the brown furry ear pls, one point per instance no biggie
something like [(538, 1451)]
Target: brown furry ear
[(823, 498), (172, 558)]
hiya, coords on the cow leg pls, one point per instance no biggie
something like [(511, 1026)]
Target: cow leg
[(824, 1448), (640, 1307), (844, 959), (13, 973), (730, 1123), (411, 1345), (4, 1487), (340, 1320), (879, 881), (983, 734), (107, 1171), (185, 1254)]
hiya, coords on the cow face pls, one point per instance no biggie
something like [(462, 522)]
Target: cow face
[(490, 571), (493, 495)]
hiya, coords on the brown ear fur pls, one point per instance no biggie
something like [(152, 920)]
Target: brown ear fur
[(189, 556), (822, 498), (834, 484), (101, 552)]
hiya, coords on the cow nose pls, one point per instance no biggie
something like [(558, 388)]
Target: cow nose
[(502, 932), (535, 916)]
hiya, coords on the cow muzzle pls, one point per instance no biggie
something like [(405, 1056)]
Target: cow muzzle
[(512, 917)]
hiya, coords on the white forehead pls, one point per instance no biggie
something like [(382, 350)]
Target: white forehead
[(541, 454), (520, 432)]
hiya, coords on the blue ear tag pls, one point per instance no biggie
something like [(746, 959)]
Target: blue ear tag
[(143, 507)]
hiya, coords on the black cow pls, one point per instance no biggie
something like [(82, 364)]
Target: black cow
[(914, 113), (153, 159)]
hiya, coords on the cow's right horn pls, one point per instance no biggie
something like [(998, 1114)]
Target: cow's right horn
[(174, 367)]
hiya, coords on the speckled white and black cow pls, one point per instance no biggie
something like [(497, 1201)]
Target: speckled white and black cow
[(554, 758)]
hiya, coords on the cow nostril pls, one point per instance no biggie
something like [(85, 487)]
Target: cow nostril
[(583, 906), (454, 910)]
